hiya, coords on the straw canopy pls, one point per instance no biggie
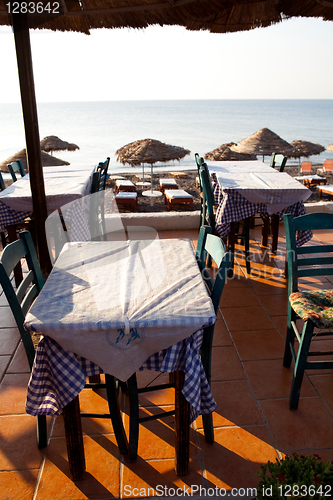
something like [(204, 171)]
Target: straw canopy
[(149, 151), (330, 147), (306, 149), (47, 161), (218, 16), (264, 142), (53, 143), (224, 153)]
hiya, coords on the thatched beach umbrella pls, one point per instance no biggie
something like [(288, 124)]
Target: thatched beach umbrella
[(53, 143), (330, 147), (306, 149), (224, 153), (264, 142), (150, 151), (47, 160)]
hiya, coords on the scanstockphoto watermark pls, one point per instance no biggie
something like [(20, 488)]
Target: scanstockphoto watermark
[(188, 491)]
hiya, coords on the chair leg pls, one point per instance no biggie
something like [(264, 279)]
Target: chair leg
[(265, 232), (290, 339), (247, 223), (117, 423), (182, 427), (207, 421), (300, 365), (41, 431), (275, 232)]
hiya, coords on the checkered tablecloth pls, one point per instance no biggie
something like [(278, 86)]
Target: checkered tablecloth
[(233, 207), (8, 216), (59, 376)]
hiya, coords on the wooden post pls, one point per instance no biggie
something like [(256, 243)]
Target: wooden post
[(74, 440), (29, 108)]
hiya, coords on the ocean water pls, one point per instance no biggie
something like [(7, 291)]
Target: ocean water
[(100, 128)]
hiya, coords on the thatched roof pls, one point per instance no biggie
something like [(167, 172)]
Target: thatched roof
[(53, 143), (219, 16), (149, 151), (224, 153), (47, 160), (330, 147), (264, 142), (306, 149)]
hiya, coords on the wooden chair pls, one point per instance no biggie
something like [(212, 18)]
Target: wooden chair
[(278, 160), (14, 167), (328, 165), (314, 307), (213, 246), (20, 299), (103, 170), (200, 161), (2, 234), (306, 167)]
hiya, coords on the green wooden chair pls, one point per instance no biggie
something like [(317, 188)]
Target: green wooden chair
[(14, 168), (278, 160), (96, 210), (208, 245), (20, 300), (2, 234), (103, 169), (314, 307), (200, 161), (213, 246)]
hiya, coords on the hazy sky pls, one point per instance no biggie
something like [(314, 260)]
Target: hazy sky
[(291, 60)]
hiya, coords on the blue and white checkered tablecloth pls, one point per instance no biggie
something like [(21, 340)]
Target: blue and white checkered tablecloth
[(233, 207), (58, 376), (8, 216)]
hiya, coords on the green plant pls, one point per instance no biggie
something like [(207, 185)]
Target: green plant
[(296, 476)]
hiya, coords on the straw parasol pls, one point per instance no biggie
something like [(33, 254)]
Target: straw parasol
[(53, 143), (264, 142), (306, 148), (330, 147), (150, 151), (47, 160), (224, 153)]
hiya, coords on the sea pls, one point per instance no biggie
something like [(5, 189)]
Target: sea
[(101, 128)]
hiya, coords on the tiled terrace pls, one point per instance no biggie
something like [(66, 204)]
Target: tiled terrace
[(253, 423)]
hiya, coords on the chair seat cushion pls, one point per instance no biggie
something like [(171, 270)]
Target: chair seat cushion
[(316, 306)]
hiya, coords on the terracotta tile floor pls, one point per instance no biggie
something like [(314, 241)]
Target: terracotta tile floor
[(252, 422)]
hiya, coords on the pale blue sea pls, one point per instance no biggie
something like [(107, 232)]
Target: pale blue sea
[(100, 128)]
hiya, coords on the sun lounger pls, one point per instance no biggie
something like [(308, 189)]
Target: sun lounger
[(124, 185), (176, 197), (168, 184), (311, 180), (127, 199), (325, 189)]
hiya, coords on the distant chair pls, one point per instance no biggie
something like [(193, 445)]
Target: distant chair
[(278, 160), (328, 165), (306, 167), (14, 167), (103, 169)]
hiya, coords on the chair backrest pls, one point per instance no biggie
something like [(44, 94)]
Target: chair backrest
[(96, 209), (14, 167), (2, 183), (306, 167), (308, 260), (278, 160), (103, 169), (328, 165), (213, 246), (21, 298), (208, 193)]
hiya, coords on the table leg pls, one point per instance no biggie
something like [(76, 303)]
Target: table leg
[(182, 427), (74, 440), (275, 232), (265, 232), (12, 236)]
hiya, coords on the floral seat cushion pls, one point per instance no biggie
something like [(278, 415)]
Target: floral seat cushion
[(316, 306)]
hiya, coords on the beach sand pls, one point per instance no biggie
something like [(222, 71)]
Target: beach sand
[(189, 185)]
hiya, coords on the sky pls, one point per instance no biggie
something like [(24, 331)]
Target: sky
[(290, 60)]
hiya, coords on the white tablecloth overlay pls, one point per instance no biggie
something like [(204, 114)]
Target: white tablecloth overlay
[(116, 303)]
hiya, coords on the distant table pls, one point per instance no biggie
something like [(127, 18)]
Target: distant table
[(242, 189), (62, 185), (154, 307)]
